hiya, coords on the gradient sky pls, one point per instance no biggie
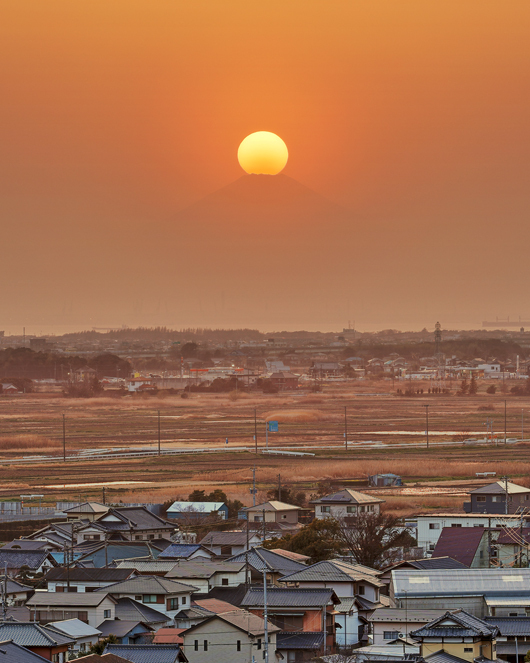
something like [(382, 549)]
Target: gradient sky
[(115, 115)]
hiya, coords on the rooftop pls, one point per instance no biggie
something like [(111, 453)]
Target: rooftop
[(334, 571), (289, 597), (460, 543), (499, 487), (147, 585), (347, 496)]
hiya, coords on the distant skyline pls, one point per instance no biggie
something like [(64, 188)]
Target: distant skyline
[(118, 119)]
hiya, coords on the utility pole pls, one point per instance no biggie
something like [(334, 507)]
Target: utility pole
[(255, 434), (265, 616), (505, 479), (64, 438), (104, 499), (253, 486), (345, 429), (427, 423), (159, 432), (504, 422), (279, 487), (522, 424)]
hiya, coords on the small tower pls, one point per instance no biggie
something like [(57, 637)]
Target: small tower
[(437, 338)]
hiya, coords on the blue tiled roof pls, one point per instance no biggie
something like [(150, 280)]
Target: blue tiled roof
[(180, 550)]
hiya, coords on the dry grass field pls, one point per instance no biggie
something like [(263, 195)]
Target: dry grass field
[(437, 478)]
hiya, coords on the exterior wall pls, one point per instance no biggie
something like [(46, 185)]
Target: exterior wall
[(428, 537), (379, 629), (475, 605), (481, 648), (222, 641), (95, 614), (81, 586), (256, 516), (341, 510), (346, 589), (348, 634), (83, 644), (495, 503), (162, 604), (234, 579)]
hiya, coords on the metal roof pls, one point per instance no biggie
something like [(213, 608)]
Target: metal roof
[(180, 550), (502, 582), (195, 507), (273, 505), (73, 628), (279, 597), (300, 640), (347, 496), (261, 558), (499, 487), (148, 585), (131, 610), (146, 653), (88, 507), (401, 615), (442, 562), (225, 539), (203, 569), (460, 543), (30, 634), (334, 571), (90, 599), (511, 625), (144, 565), (121, 627)]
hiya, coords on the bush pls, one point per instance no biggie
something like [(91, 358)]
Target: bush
[(491, 389)]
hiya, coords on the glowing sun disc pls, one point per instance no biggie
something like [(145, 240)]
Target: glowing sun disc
[(262, 153)]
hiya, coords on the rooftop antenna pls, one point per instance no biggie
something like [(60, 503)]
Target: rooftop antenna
[(437, 338)]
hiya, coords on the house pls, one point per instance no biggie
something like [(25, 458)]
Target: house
[(492, 498), (99, 555), (229, 637), (510, 546), (271, 512), (178, 551), (349, 582), (86, 511), (165, 595), (84, 580), (457, 634), (148, 653), (323, 369), (127, 632), (28, 544), (8, 388), (83, 635), (298, 610), (130, 610), (275, 564), (389, 624), (346, 503), (385, 480), (513, 639), (40, 640), (141, 384), (13, 653), (145, 566), (492, 592), (429, 526), (33, 561), (468, 545), (190, 511), (131, 523), (16, 593), (284, 380), (167, 636), (208, 574), (90, 607), (105, 658), (85, 374), (225, 544)]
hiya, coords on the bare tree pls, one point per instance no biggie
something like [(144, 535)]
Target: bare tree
[(372, 538)]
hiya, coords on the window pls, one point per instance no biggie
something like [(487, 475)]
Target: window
[(481, 525), (481, 498), (390, 635), (238, 645), (196, 645), (137, 598), (371, 507), (456, 525), (184, 600), (173, 604), (205, 645), (325, 509), (513, 614), (284, 516), (259, 643), (226, 550), (107, 614), (151, 536), (432, 546), (361, 590), (138, 537), (91, 537), (361, 509), (224, 581), (468, 648), (434, 525), (351, 509), (150, 598)]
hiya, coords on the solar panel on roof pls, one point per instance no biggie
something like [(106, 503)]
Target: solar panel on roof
[(338, 497)]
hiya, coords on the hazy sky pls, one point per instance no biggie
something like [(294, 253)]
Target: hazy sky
[(114, 116)]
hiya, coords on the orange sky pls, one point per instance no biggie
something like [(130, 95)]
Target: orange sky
[(115, 115)]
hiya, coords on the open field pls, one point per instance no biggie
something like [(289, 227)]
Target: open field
[(32, 425)]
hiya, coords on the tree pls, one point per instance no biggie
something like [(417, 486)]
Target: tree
[(319, 540), (371, 538), (491, 389), (464, 387), (473, 386), (189, 350), (99, 647)]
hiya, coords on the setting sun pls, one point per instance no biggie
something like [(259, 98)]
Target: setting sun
[(262, 153)]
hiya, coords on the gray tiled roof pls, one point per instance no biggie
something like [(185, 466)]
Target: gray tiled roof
[(203, 569), (465, 626), (179, 550), (288, 597), (131, 610), (300, 640), (510, 625), (443, 562), (30, 634), (138, 516), (16, 559), (14, 587), (120, 628), (224, 539), (25, 544), (261, 558), (93, 599), (443, 657), (148, 585), (333, 571), (88, 575), (118, 550), (13, 653), (146, 653)]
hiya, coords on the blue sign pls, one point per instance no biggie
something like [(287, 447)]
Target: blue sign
[(273, 426)]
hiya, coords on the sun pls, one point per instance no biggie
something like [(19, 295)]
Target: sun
[(262, 153)]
